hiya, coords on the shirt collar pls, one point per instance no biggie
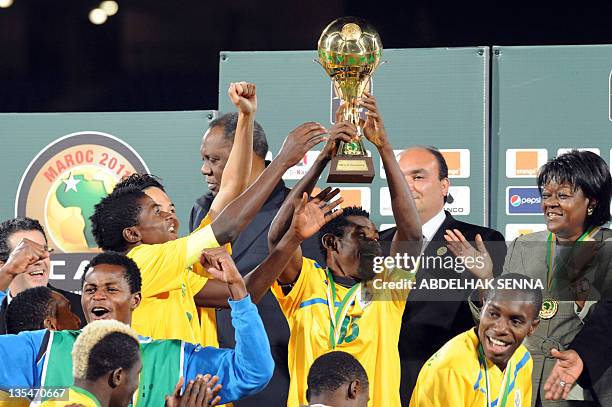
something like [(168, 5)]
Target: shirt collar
[(9, 297), (432, 225)]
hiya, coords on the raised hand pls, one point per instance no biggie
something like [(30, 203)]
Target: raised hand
[(563, 375), (481, 264), (221, 266), (201, 392), (311, 215), (373, 127), (26, 253), (242, 95), (300, 141), (341, 131)]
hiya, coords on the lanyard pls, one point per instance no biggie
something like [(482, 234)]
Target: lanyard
[(336, 316), (504, 389), (550, 252)]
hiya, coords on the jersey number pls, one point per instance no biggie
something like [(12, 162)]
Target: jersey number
[(354, 329)]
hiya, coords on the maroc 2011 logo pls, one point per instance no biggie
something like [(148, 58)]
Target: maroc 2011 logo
[(67, 179)]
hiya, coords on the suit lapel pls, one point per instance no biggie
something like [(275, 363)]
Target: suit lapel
[(438, 243)]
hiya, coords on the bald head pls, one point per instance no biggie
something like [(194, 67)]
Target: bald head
[(427, 175)]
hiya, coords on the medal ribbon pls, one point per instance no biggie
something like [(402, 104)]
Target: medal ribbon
[(336, 316), (504, 389), (550, 252)]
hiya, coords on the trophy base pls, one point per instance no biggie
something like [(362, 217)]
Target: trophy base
[(351, 170)]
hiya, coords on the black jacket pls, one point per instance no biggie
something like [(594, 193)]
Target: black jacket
[(248, 251), (75, 304), (428, 323)]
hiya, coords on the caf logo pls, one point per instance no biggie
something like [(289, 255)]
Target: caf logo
[(64, 182)]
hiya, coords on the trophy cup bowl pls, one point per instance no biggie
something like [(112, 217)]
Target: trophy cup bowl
[(349, 51)]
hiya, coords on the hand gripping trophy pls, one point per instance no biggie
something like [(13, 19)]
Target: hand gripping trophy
[(350, 51)]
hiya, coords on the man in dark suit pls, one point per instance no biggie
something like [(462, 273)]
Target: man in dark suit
[(21, 237), (432, 317), (249, 249)]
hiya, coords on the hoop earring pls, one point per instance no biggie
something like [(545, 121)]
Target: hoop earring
[(589, 211)]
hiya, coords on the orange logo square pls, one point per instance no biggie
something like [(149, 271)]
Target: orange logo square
[(453, 161), (526, 162)]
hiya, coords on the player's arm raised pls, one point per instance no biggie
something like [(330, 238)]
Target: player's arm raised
[(408, 238), (237, 172), (309, 217), (26, 253)]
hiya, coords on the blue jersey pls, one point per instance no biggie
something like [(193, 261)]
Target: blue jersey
[(242, 371)]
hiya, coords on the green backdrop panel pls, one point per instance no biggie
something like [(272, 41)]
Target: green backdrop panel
[(543, 99), (65, 161), (427, 97)]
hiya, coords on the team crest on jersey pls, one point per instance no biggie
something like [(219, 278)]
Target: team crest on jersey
[(517, 397)]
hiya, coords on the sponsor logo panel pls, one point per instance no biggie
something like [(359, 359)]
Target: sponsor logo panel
[(458, 162), (300, 169), (524, 163), (460, 197), (523, 201)]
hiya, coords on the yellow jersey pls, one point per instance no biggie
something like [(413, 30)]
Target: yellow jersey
[(454, 376), (7, 401), (369, 331), (76, 395), (167, 309), (208, 316)]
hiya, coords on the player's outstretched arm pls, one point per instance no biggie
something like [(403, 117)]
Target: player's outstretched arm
[(341, 131), (408, 238), (284, 261), (242, 371), (18, 354), (241, 211), (237, 172)]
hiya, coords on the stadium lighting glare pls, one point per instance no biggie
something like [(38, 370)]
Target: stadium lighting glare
[(6, 3), (97, 16), (110, 7)]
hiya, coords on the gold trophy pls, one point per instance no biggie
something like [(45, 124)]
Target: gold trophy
[(350, 51)]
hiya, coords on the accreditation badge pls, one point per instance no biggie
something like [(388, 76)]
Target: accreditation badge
[(549, 308)]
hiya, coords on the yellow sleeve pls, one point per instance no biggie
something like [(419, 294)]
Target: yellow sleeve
[(197, 241), (197, 281), (161, 265), (291, 301), (439, 387), (197, 267), (402, 278)]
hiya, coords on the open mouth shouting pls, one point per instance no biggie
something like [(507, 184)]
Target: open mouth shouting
[(98, 312)]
